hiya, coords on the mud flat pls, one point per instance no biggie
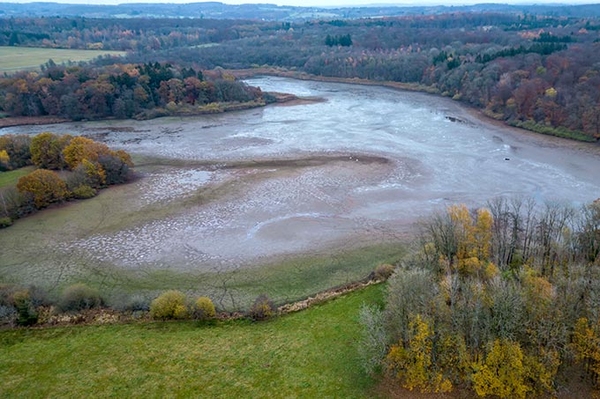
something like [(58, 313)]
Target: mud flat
[(222, 199)]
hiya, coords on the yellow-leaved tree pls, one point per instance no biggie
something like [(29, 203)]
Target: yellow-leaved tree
[(81, 148), (412, 360), (44, 187), (473, 237), (47, 150), (586, 345), (502, 373), (4, 160)]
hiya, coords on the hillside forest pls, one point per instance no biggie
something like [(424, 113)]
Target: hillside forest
[(538, 72)]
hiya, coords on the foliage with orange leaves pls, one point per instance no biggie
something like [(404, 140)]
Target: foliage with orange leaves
[(44, 187)]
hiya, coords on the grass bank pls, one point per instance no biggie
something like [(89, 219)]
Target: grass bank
[(284, 280), (307, 354)]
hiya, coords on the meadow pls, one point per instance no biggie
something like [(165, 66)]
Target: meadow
[(308, 354), (11, 178), (13, 59)]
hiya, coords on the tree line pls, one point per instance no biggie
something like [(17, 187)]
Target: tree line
[(537, 72), (502, 300), (117, 90), (543, 79), (67, 168), (125, 34)]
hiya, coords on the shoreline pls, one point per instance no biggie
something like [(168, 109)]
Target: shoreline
[(287, 99), (412, 87), (208, 109)]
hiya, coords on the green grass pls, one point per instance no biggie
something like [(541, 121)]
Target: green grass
[(283, 281), (12, 177), (554, 131), (311, 354), (14, 59)]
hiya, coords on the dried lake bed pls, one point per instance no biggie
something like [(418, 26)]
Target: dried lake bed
[(219, 197)]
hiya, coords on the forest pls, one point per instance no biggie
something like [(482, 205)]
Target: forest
[(502, 300), (532, 71), (121, 91)]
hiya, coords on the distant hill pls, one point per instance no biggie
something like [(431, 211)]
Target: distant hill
[(272, 12)]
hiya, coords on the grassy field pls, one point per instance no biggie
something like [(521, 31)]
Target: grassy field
[(310, 354), (18, 58), (12, 177)]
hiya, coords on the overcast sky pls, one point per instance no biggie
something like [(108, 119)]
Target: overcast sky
[(324, 3)]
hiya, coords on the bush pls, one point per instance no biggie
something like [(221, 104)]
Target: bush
[(125, 302), (5, 222), (12, 203), (262, 309), (373, 343), (8, 315), (169, 305), (383, 272), (38, 296), (44, 187), (26, 313), (204, 309), (80, 297), (84, 192)]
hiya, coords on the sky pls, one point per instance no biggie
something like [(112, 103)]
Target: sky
[(325, 3)]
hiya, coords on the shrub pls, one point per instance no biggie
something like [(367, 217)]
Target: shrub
[(80, 297), (5, 222), (12, 203), (384, 271), (44, 186), (116, 167), (373, 343), (38, 296), (26, 313), (262, 309), (131, 303), (169, 305), (8, 315), (204, 309), (84, 192)]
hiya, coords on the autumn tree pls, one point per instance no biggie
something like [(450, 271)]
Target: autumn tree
[(44, 187), (413, 359), (4, 160), (586, 345), (81, 148), (47, 150), (502, 373), (93, 173)]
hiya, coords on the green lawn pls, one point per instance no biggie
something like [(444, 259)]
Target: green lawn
[(11, 178), (18, 58), (310, 354)]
